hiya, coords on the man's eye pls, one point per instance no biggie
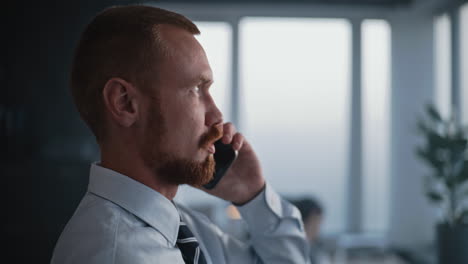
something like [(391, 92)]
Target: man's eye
[(196, 89)]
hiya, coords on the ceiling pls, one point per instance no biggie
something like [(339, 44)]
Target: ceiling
[(379, 3)]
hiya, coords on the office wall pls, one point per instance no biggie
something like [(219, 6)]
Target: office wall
[(46, 148)]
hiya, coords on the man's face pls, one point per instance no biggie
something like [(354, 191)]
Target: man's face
[(312, 226), (182, 121)]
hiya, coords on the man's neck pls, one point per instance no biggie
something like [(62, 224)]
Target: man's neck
[(136, 169)]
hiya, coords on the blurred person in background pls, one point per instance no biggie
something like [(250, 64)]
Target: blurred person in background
[(312, 216), (140, 81)]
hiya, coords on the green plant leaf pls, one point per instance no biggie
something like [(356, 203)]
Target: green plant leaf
[(436, 141), (463, 175), (431, 159), (457, 145), (434, 196), (451, 182), (462, 218), (433, 113), (445, 150)]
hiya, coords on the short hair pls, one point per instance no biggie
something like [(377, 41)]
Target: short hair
[(308, 207), (122, 42)]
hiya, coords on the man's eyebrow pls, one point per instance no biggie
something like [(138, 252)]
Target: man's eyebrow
[(205, 80)]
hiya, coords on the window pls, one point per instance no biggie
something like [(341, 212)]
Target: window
[(376, 129), (464, 61), (295, 109), (295, 78), (215, 38), (442, 65)]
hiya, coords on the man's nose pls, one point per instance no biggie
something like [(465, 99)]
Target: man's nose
[(213, 115)]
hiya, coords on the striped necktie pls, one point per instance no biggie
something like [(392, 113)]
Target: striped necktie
[(188, 245)]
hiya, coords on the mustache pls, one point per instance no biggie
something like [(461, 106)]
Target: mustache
[(215, 133)]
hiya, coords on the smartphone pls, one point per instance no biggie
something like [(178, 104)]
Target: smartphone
[(224, 157)]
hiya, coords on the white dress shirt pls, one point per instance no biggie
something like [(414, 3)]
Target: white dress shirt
[(120, 220)]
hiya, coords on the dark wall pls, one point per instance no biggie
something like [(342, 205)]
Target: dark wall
[(45, 149)]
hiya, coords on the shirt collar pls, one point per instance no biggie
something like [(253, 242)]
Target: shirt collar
[(147, 204)]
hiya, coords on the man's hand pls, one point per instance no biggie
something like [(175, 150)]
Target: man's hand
[(244, 179)]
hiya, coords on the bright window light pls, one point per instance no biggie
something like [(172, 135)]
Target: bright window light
[(464, 61), (215, 38), (375, 106), (442, 65), (295, 80)]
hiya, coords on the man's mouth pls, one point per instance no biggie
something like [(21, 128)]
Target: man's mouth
[(207, 140)]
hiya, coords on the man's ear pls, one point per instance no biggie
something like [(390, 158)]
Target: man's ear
[(120, 99)]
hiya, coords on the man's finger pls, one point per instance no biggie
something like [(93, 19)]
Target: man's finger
[(237, 141), (229, 130)]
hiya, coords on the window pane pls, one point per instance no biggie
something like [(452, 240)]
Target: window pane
[(215, 38), (375, 106), (295, 85), (464, 61), (442, 65)]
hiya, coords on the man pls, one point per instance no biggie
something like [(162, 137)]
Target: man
[(140, 80)]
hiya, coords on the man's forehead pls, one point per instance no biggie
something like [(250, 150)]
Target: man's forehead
[(178, 40), (184, 55), (196, 74)]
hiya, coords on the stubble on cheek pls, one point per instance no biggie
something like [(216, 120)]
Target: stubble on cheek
[(171, 168)]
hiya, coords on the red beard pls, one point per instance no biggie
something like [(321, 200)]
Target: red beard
[(175, 170)]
